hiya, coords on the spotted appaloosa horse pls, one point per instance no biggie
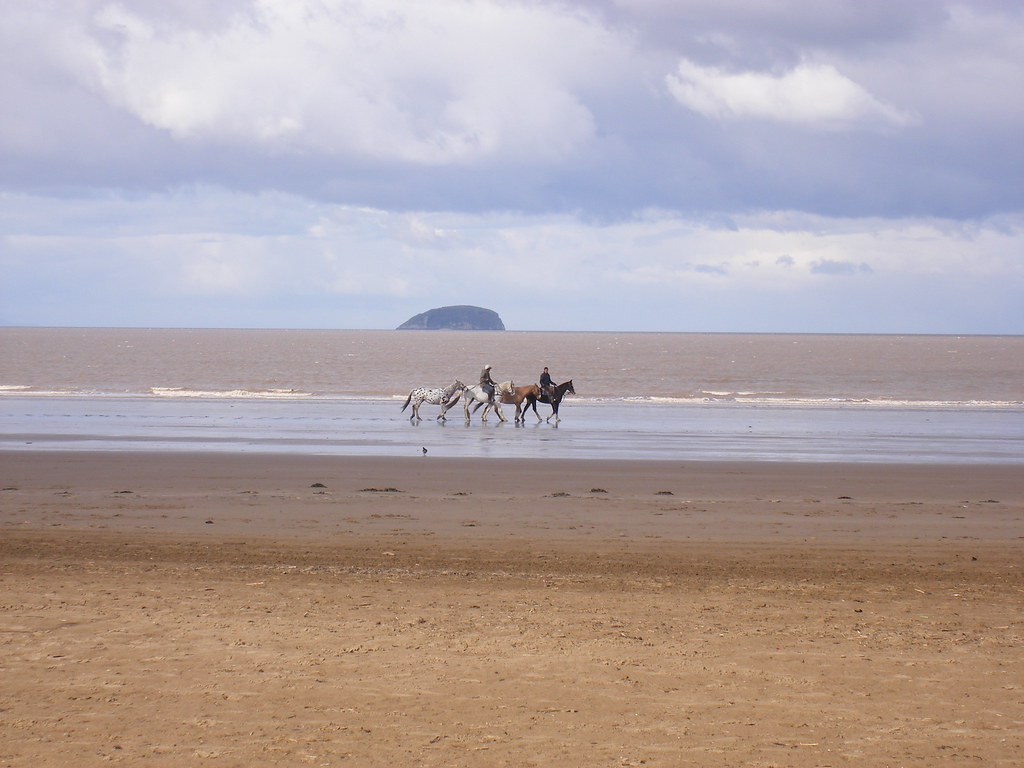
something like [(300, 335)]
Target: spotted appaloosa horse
[(446, 398), (557, 393)]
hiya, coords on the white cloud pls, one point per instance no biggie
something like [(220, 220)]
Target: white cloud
[(521, 104), (444, 82), (809, 94)]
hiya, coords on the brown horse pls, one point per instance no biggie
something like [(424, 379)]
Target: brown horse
[(509, 394), (513, 395)]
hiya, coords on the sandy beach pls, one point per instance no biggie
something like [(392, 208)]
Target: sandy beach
[(237, 610)]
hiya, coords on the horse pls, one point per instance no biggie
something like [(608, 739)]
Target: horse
[(513, 395), (477, 395), (444, 397), (557, 393), (509, 394)]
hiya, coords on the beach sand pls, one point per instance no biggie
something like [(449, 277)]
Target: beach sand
[(240, 610)]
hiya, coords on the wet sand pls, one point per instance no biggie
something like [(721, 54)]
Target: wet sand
[(238, 610)]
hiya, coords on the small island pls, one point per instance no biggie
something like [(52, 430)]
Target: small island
[(457, 318)]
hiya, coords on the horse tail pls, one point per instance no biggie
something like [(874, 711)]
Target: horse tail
[(407, 401)]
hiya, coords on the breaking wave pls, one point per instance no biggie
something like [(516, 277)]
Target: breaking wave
[(230, 394)]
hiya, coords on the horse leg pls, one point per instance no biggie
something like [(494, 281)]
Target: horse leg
[(535, 411), (554, 412), (415, 415), (531, 402), (522, 403), (491, 404), (448, 404)]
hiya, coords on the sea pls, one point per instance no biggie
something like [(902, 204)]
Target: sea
[(661, 396)]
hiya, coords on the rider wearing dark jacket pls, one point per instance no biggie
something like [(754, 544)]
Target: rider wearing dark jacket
[(546, 384)]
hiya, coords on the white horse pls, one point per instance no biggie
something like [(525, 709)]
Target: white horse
[(446, 398), (476, 395)]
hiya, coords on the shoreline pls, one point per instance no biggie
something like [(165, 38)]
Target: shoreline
[(657, 432), (225, 608)]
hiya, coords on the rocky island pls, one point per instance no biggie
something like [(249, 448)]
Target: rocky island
[(457, 318)]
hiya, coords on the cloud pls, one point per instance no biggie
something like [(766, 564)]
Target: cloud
[(711, 269), (816, 95), (837, 267), (754, 26), (522, 105), (426, 84)]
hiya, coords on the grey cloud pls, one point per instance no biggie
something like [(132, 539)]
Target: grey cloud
[(836, 267), (710, 269), (589, 127)]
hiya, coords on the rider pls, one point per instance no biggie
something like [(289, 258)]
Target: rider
[(546, 384), (487, 383)]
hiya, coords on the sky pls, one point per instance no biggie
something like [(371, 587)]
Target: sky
[(841, 166)]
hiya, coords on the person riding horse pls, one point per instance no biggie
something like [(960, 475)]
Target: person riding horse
[(546, 384), (487, 383)]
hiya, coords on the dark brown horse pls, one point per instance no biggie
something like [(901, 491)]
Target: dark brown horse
[(557, 393)]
